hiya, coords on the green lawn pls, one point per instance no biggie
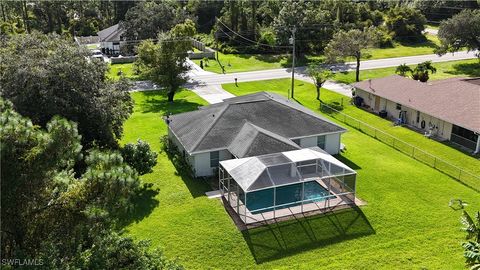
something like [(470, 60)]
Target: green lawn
[(305, 94), (244, 62), (252, 62), (406, 224), (465, 68), (432, 26), (127, 69)]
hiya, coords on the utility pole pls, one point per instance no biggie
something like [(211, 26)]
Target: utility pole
[(292, 41)]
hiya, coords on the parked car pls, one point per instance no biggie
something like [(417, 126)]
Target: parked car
[(97, 54)]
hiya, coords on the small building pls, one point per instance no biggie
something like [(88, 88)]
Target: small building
[(111, 39), (246, 126), (448, 109)]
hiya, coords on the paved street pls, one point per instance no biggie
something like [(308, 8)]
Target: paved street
[(364, 65), (208, 84)]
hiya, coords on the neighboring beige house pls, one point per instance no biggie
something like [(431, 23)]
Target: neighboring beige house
[(246, 126), (111, 39), (448, 109)]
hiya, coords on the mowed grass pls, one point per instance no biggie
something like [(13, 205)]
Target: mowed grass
[(305, 94), (251, 62), (406, 224), (462, 68), (244, 62), (127, 69)]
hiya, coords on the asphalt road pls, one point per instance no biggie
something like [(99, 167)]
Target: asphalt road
[(203, 79)]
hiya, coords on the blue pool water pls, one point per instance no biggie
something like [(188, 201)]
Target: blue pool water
[(257, 201)]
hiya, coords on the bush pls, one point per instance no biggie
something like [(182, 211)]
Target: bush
[(384, 39), (139, 156), (178, 159)]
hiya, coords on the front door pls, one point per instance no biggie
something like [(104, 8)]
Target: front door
[(377, 103)]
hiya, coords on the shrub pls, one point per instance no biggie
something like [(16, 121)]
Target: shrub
[(178, 159), (139, 156)]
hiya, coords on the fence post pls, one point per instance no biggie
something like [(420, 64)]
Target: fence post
[(459, 174), (375, 132), (434, 162), (413, 152)]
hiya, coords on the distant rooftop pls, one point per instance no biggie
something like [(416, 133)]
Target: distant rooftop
[(112, 33), (249, 125), (455, 100)]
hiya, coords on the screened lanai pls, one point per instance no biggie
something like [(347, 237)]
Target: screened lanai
[(282, 184)]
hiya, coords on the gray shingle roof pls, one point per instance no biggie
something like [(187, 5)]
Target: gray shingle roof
[(254, 141), (111, 33), (216, 126)]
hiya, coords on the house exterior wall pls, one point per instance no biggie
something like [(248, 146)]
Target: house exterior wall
[(113, 48), (332, 143), (439, 127), (201, 162)]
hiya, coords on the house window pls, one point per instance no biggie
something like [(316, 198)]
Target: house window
[(418, 117), (399, 106), (321, 141), (214, 159), (296, 141)]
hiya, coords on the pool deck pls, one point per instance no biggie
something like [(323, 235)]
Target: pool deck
[(249, 220)]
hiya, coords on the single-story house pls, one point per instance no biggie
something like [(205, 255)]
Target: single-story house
[(246, 126), (448, 109), (111, 39)]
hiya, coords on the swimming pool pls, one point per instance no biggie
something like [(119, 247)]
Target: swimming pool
[(262, 200)]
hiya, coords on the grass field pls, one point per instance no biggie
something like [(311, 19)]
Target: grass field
[(465, 68), (406, 224), (127, 69), (250, 62), (305, 94)]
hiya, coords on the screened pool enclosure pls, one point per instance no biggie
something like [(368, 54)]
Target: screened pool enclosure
[(277, 185)]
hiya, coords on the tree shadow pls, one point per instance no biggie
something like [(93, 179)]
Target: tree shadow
[(421, 42), (156, 102), (142, 205), (196, 187), (288, 238), (468, 69)]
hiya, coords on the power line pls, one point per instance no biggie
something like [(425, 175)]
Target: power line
[(253, 41)]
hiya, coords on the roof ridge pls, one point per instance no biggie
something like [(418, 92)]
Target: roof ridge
[(273, 135), (209, 128)]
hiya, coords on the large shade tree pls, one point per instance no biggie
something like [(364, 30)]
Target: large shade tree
[(47, 75), (460, 31), (147, 18), (164, 62), (65, 220), (352, 43), (405, 23)]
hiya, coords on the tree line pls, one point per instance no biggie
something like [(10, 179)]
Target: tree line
[(67, 186)]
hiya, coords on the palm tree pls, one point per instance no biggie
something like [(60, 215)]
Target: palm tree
[(403, 69), (319, 75), (421, 72), (472, 247)]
